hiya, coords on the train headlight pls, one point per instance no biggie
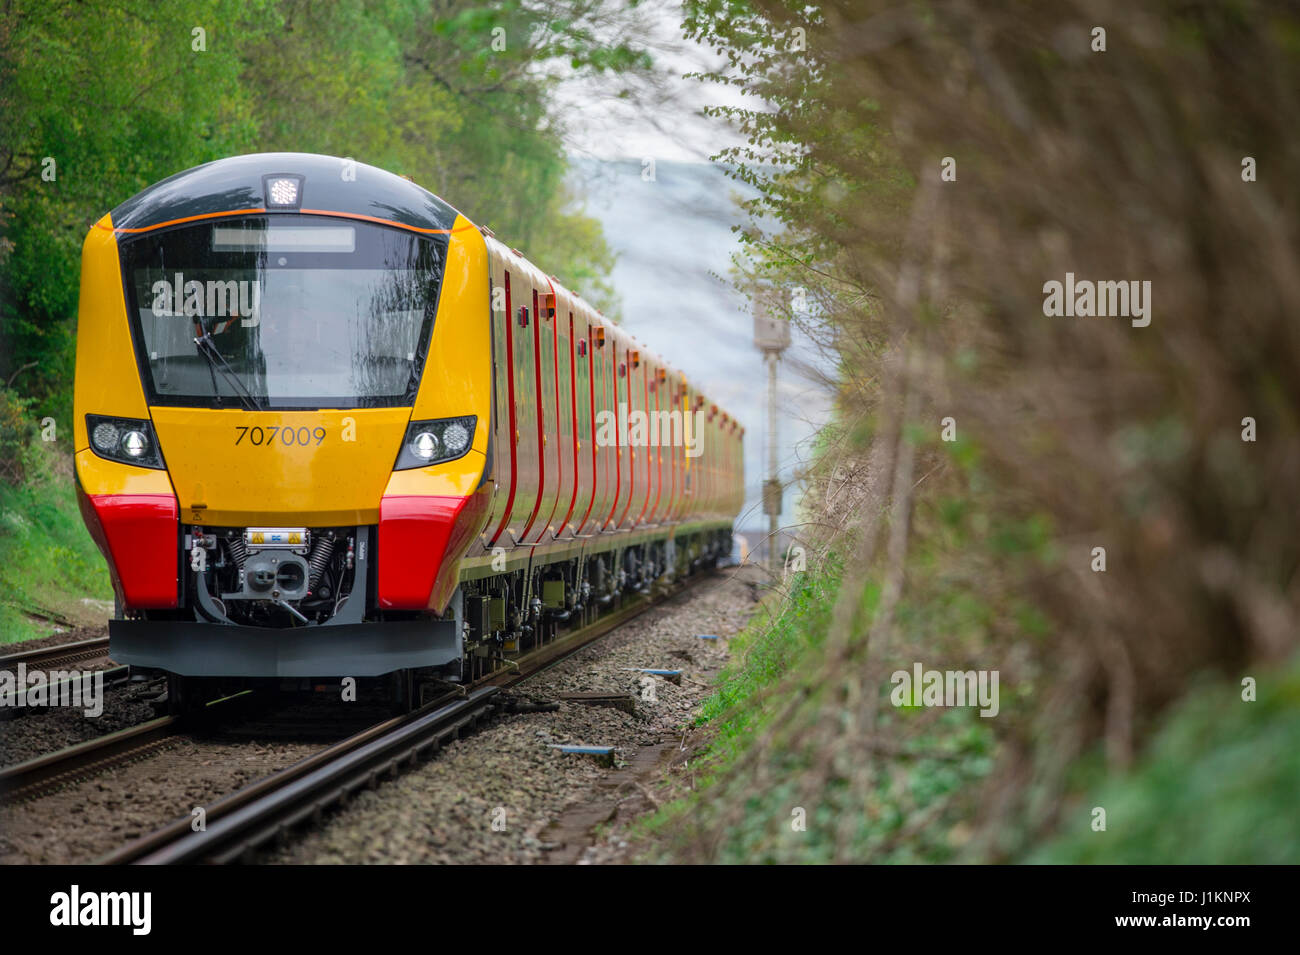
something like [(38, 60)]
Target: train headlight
[(433, 442), (455, 437), (127, 440), (282, 191), (135, 444), (425, 446), (104, 436)]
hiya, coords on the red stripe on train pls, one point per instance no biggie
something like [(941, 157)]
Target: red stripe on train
[(137, 534)]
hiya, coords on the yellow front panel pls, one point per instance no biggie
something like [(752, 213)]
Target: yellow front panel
[(99, 476), (457, 376), (106, 381), (239, 468), (459, 478)]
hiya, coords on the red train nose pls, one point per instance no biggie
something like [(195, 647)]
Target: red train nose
[(420, 540), (137, 534)]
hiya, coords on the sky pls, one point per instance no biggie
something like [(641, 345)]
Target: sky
[(668, 212), (674, 241), (661, 119)]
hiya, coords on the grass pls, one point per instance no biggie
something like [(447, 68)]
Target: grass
[(767, 649), (761, 655), (905, 817), (49, 566)]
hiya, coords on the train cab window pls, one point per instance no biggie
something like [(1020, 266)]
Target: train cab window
[(283, 311)]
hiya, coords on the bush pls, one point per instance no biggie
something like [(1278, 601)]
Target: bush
[(16, 432), (51, 572)]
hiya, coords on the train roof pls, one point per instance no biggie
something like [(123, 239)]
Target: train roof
[(326, 183)]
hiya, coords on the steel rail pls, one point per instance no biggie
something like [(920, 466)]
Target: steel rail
[(267, 809), (56, 655), (41, 773)]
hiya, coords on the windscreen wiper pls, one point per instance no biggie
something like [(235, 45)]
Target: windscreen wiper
[(217, 362)]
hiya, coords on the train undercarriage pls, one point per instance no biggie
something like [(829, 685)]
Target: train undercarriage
[(301, 607)]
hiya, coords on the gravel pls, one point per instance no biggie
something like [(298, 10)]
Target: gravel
[(88, 819), (505, 795), (28, 733)]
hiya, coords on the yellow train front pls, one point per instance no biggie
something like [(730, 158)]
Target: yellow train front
[(326, 426)]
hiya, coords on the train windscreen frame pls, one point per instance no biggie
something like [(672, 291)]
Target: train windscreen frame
[(282, 311)]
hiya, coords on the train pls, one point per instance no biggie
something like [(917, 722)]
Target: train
[(327, 426)]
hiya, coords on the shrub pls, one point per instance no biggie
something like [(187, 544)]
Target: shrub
[(16, 431)]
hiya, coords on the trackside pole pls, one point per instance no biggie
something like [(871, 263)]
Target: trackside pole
[(772, 336)]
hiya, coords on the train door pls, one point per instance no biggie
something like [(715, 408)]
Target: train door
[(602, 485), (607, 362), (638, 373), (519, 416), (686, 500), (584, 450), (629, 404), (543, 394), (661, 437), (677, 450), (559, 321), (503, 412), (623, 404)]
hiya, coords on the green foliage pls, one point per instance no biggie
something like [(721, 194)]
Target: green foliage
[(812, 155), (101, 99), (906, 808), (1217, 786), (48, 564), (788, 720), (768, 648), (1070, 434), (16, 431)]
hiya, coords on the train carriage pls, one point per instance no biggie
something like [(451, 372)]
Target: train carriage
[(327, 426)]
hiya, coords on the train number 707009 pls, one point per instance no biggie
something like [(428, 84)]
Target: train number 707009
[(289, 437)]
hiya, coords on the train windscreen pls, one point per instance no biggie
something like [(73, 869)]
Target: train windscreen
[(282, 311)]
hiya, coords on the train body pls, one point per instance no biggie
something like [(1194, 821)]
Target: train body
[(325, 425)]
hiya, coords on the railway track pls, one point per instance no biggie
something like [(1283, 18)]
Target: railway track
[(56, 658), (60, 655), (44, 773), (265, 811)]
